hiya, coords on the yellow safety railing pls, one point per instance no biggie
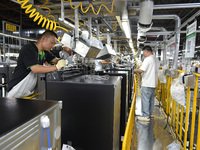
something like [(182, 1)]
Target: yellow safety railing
[(175, 113), (126, 145)]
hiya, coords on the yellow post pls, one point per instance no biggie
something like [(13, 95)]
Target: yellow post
[(163, 96), (177, 120), (172, 112), (170, 99), (168, 95), (181, 124), (174, 115), (194, 113), (187, 117), (198, 135)]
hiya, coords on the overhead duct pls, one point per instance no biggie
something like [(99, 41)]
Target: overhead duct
[(146, 12), (141, 37)]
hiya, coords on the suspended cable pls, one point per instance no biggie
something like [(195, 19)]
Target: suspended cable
[(92, 7)]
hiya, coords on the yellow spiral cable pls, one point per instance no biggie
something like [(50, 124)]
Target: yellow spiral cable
[(42, 7), (84, 11), (59, 39), (48, 15), (51, 25)]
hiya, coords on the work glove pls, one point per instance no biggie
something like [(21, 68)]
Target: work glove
[(61, 63)]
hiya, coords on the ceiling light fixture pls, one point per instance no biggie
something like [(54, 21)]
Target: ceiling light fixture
[(126, 28)]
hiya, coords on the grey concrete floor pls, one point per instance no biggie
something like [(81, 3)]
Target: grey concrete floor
[(152, 135)]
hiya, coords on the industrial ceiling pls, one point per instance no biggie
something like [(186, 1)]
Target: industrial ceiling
[(164, 19)]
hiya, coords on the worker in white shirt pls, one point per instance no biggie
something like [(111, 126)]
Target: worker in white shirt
[(99, 65), (149, 70)]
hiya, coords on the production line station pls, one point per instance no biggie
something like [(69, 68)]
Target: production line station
[(90, 98)]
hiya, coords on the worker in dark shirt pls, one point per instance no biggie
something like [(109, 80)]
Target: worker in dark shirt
[(32, 58)]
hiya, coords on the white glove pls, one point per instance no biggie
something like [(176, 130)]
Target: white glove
[(61, 63)]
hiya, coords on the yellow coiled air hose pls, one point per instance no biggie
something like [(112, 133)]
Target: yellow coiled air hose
[(51, 25), (84, 11)]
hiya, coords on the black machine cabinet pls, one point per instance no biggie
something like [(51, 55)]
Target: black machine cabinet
[(124, 99), (91, 111), (130, 80)]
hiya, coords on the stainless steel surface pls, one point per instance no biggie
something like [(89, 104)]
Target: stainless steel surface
[(107, 50), (152, 135), (23, 129), (85, 50), (81, 48)]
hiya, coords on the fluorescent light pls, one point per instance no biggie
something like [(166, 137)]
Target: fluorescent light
[(17, 32), (41, 31), (126, 28)]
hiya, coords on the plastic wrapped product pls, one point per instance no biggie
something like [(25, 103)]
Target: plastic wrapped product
[(174, 146), (177, 91)]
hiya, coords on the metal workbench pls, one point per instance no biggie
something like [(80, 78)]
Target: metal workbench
[(20, 123)]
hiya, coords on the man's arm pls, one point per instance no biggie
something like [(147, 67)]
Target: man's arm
[(55, 61), (138, 71), (43, 69), (105, 61)]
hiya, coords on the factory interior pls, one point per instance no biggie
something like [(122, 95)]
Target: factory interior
[(87, 90)]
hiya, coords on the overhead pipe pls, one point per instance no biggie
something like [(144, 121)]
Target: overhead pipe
[(76, 24), (90, 27), (177, 37), (164, 33), (177, 25), (145, 20), (146, 12), (170, 6), (177, 32), (98, 32)]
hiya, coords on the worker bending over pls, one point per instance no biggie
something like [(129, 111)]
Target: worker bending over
[(32, 58)]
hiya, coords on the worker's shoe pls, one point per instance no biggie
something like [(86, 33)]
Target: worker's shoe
[(142, 118)]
